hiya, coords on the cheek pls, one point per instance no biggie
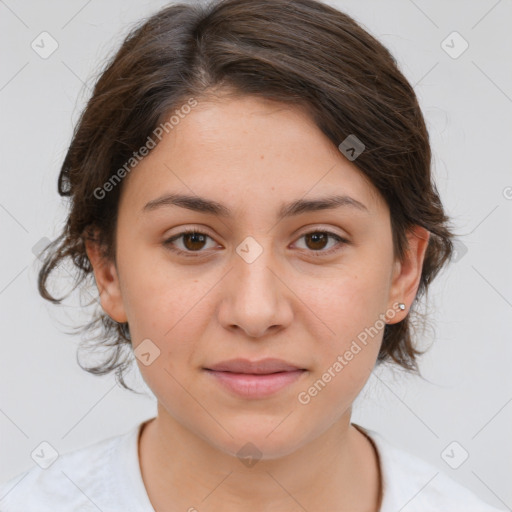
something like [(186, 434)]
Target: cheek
[(346, 352), (351, 309), (157, 294), (172, 310), (352, 302)]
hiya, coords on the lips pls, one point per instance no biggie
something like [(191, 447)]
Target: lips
[(254, 379), (262, 367)]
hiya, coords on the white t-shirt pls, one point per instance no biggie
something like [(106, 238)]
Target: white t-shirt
[(106, 477)]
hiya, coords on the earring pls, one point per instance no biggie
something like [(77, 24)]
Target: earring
[(401, 305)]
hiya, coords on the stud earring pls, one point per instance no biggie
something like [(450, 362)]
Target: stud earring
[(401, 305)]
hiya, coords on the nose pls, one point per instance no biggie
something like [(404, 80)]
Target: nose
[(255, 298)]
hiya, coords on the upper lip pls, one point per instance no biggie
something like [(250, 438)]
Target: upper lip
[(262, 367)]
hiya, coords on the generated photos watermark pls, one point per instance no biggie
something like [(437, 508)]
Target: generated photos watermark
[(158, 133), (342, 360)]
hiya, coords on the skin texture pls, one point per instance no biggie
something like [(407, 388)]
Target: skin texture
[(253, 155)]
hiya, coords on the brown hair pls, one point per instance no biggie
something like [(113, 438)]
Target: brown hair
[(303, 52)]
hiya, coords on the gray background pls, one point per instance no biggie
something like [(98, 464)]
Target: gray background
[(467, 102)]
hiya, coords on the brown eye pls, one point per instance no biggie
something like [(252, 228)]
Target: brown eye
[(191, 241), (194, 241), (317, 241)]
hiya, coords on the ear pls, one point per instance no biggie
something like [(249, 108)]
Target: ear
[(407, 273), (107, 281)]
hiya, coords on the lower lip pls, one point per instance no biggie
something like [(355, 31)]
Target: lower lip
[(255, 386)]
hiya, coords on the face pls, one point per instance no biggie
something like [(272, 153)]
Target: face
[(259, 279)]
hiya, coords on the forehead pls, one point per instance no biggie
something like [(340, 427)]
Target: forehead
[(251, 148)]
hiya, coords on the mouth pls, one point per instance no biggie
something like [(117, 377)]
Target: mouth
[(255, 379), (261, 367)]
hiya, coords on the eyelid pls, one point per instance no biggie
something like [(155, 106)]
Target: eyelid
[(318, 228)]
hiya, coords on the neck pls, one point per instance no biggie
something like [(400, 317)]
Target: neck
[(339, 470)]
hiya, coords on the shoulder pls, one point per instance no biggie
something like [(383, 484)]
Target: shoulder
[(78, 480), (412, 484)]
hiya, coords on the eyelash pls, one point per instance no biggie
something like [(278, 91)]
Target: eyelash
[(197, 254)]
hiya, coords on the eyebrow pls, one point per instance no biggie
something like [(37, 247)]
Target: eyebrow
[(208, 206)]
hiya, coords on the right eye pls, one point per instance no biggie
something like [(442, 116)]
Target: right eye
[(192, 242)]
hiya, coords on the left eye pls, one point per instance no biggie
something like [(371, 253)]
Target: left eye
[(317, 240), (194, 241)]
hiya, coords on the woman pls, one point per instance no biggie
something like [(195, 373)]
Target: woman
[(251, 190)]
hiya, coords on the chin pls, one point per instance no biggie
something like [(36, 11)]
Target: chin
[(259, 442)]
